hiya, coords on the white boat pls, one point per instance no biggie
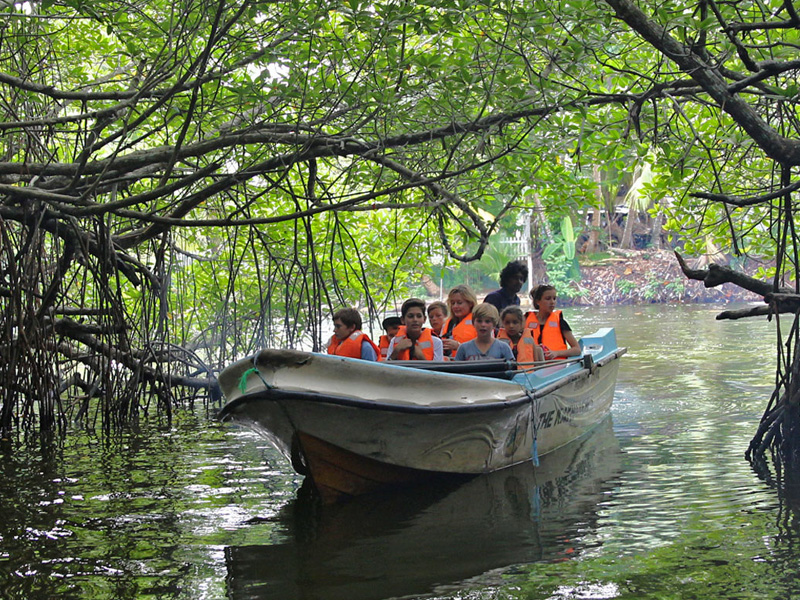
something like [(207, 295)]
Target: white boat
[(354, 426)]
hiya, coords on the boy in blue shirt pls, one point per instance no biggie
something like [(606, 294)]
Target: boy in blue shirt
[(485, 319)]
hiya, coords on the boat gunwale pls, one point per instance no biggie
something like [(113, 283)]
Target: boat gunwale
[(528, 395), (539, 393)]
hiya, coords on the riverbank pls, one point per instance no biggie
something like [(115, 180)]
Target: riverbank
[(646, 277)]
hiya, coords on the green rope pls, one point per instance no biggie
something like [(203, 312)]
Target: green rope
[(253, 369), (243, 380)]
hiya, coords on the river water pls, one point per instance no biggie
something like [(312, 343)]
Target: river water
[(657, 503)]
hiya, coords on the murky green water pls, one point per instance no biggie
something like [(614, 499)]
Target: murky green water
[(659, 503)]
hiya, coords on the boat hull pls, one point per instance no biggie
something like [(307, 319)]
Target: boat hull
[(356, 426), (339, 474)]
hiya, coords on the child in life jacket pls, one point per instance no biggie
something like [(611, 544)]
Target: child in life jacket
[(519, 337), (484, 346), (348, 339), (437, 315), (415, 342), (549, 328), (458, 328), (391, 325)]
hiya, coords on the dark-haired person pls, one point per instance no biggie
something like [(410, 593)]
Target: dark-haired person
[(512, 278), (348, 339), (549, 328), (415, 342), (392, 326), (518, 336)]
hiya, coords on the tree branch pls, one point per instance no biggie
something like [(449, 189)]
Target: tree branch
[(781, 149), (717, 275)]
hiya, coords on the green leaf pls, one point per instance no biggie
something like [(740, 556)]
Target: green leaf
[(567, 231), (569, 249)]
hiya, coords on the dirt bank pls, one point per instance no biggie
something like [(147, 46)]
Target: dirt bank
[(644, 277)]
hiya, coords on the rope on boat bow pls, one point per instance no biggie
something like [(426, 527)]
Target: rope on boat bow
[(246, 374), (534, 429)]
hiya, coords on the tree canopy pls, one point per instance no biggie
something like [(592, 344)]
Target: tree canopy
[(183, 182)]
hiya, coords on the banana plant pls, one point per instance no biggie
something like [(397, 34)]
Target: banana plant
[(563, 242), (560, 257)]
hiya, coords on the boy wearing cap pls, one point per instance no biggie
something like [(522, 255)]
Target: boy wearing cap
[(391, 325)]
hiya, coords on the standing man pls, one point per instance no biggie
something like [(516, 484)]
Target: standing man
[(512, 278)]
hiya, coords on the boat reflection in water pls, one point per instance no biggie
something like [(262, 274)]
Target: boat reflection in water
[(425, 539)]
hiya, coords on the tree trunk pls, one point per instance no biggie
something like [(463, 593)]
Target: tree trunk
[(627, 234), (430, 286), (655, 231), (593, 243), (540, 232)]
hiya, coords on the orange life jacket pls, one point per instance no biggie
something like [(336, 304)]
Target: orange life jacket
[(424, 343), (548, 334), (383, 345), (523, 349), (384, 341), (351, 345), (462, 332)]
